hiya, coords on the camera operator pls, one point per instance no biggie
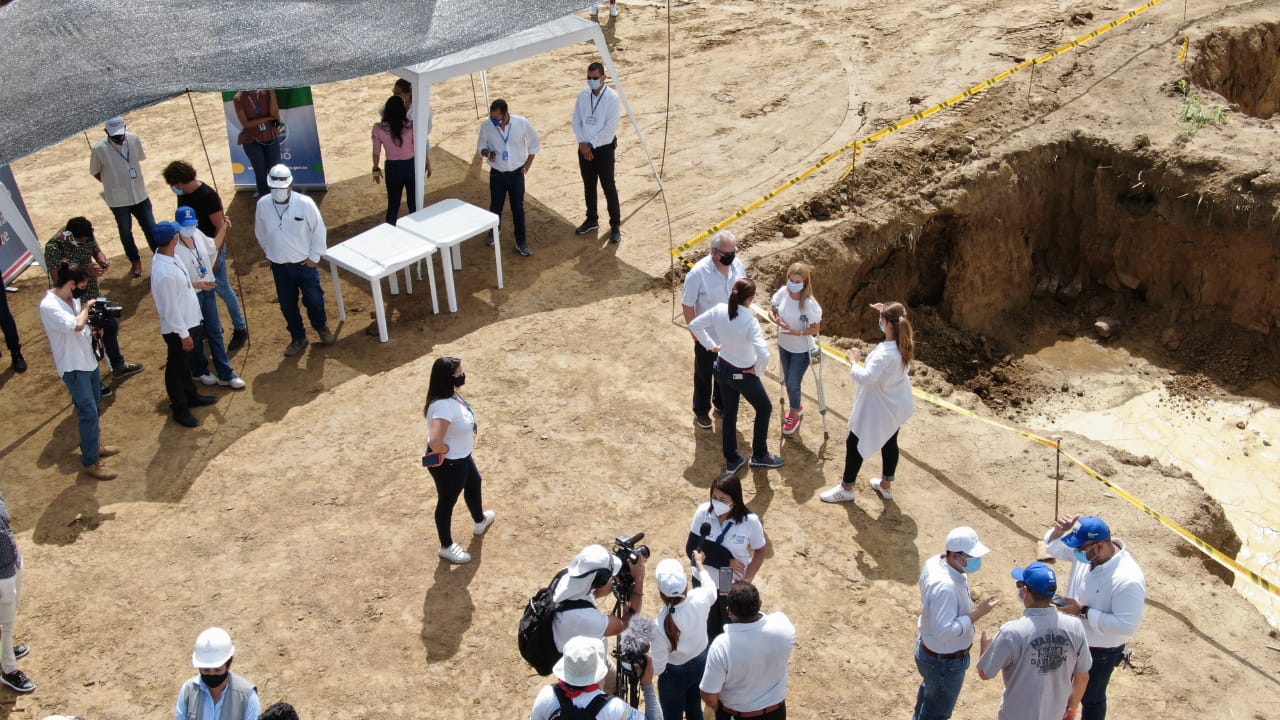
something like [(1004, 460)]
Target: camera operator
[(591, 574), (680, 649), (66, 322), (76, 245), (579, 674)]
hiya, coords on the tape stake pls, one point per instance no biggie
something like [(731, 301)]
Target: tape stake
[(1182, 56)]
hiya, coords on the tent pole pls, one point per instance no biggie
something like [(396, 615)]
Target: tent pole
[(421, 139)]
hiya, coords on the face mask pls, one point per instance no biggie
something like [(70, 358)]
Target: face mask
[(117, 139), (280, 195), (460, 380), (881, 323), (176, 190), (496, 122), (726, 258), (719, 507), (1082, 556), (795, 287), (593, 83), (187, 232), (78, 293), (973, 565), (213, 680)]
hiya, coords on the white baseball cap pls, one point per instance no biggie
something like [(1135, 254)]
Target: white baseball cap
[(965, 540), (671, 579)]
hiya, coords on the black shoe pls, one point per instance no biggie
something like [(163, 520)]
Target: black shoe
[(587, 227), (296, 347), (327, 336), (615, 236), (238, 339), (20, 651), (203, 400), (703, 421), (733, 467), (19, 363), (524, 250), (18, 680), (488, 241), (768, 461), (121, 372), (107, 391), (186, 419)]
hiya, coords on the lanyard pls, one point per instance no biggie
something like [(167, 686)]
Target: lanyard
[(195, 250), (596, 101), (475, 426), (280, 215), (505, 137), (724, 531), (253, 98), (127, 153)]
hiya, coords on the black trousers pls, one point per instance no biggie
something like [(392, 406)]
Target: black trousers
[(454, 478), (177, 375), (7, 325), (599, 169), (706, 390), (399, 179)]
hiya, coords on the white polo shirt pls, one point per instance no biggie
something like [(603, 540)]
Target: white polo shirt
[(120, 168), (748, 663), (740, 537), (705, 287), (291, 232), (461, 435), (945, 626), (176, 301), (71, 350), (1115, 591)]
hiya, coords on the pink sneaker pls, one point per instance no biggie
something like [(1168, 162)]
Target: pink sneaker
[(791, 422)]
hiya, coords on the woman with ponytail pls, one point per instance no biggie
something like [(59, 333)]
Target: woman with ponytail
[(743, 356), (680, 649), (883, 404)]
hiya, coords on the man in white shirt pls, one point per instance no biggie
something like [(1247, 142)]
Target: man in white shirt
[(293, 236), (116, 161), (946, 623), (1107, 590), (198, 253), (706, 285), (179, 312), (748, 664), (596, 116), (66, 322), (509, 143)]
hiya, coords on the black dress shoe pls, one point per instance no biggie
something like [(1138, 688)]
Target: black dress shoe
[(19, 363), (186, 419), (202, 400)]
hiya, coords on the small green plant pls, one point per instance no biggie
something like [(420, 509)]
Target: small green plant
[(1193, 115)]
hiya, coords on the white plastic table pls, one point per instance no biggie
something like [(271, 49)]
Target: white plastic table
[(380, 253), (446, 224)]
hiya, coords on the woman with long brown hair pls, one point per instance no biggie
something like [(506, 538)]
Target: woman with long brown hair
[(451, 437), (883, 405), (680, 648)]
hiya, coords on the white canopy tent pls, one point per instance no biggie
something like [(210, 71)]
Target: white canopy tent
[(549, 36)]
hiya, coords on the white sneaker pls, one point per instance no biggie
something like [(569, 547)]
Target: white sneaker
[(595, 10), (837, 494), (208, 379), (484, 524), (613, 9), (455, 554), (884, 491), (234, 383)]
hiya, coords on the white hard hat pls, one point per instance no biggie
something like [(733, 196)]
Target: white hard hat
[(213, 649), (280, 176)]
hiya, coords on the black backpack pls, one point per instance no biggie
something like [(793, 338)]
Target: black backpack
[(535, 637), (569, 711)]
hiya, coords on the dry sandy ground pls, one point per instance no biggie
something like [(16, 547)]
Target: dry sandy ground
[(297, 515)]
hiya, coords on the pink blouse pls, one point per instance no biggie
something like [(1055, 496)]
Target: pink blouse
[(382, 138)]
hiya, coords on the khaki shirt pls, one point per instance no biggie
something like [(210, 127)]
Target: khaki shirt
[(120, 167)]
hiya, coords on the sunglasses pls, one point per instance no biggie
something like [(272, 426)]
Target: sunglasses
[(1021, 584)]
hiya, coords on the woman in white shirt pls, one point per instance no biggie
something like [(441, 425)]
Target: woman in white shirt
[(743, 355), (883, 404), (799, 318), (731, 536), (680, 649), (451, 438)]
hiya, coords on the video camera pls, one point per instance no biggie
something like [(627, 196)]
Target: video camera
[(102, 311), (626, 550)]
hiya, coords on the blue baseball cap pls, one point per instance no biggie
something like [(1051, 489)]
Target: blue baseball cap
[(1089, 528), (186, 217), (1038, 577), (164, 232)]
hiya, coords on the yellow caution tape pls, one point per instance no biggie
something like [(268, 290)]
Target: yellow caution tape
[(1220, 557), (1182, 56), (857, 145)]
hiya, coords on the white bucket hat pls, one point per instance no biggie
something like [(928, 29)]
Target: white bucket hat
[(583, 662)]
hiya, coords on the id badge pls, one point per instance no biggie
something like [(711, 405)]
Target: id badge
[(506, 155), (591, 119), (133, 174), (736, 376)]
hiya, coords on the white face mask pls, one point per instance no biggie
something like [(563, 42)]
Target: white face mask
[(719, 507), (280, 195)]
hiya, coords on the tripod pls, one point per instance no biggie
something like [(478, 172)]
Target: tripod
[(629, 668)]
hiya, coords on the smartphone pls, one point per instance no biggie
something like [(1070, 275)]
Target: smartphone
[(725, 581), (432, 459), (1058, 600)]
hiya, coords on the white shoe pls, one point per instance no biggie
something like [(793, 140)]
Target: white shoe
[(234, 383), (613, 9), (484, 524), (595, 10), (455, 554), (208, 379), (884, 491), (837, 494)]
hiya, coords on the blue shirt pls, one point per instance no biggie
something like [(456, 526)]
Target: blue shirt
[(211, 709)]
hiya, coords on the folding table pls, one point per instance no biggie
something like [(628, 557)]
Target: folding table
[(446, 224), (380, 253)]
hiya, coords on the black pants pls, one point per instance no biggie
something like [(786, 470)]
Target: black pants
[(502, 184), (399, 179), (177, 375), (453, 478), (706, 390), (7, 325), (600, 168), (853, 461)]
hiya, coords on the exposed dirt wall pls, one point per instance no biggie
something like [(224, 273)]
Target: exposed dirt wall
[(1242, 65)]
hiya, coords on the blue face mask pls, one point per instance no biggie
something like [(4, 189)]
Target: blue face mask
[(795, 287), (496, 122), (973, 565), (1082, 556), (881, 323), (176, 190), (593, 83)]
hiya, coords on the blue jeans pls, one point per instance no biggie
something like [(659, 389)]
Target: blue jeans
[(262, 158), (1094, 704), (678, 692), (86, 395), (747, 385), (226, 292), (794, 366), (124, 225), (502, 184), (210, 330), (294, 279), (940, 683)]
